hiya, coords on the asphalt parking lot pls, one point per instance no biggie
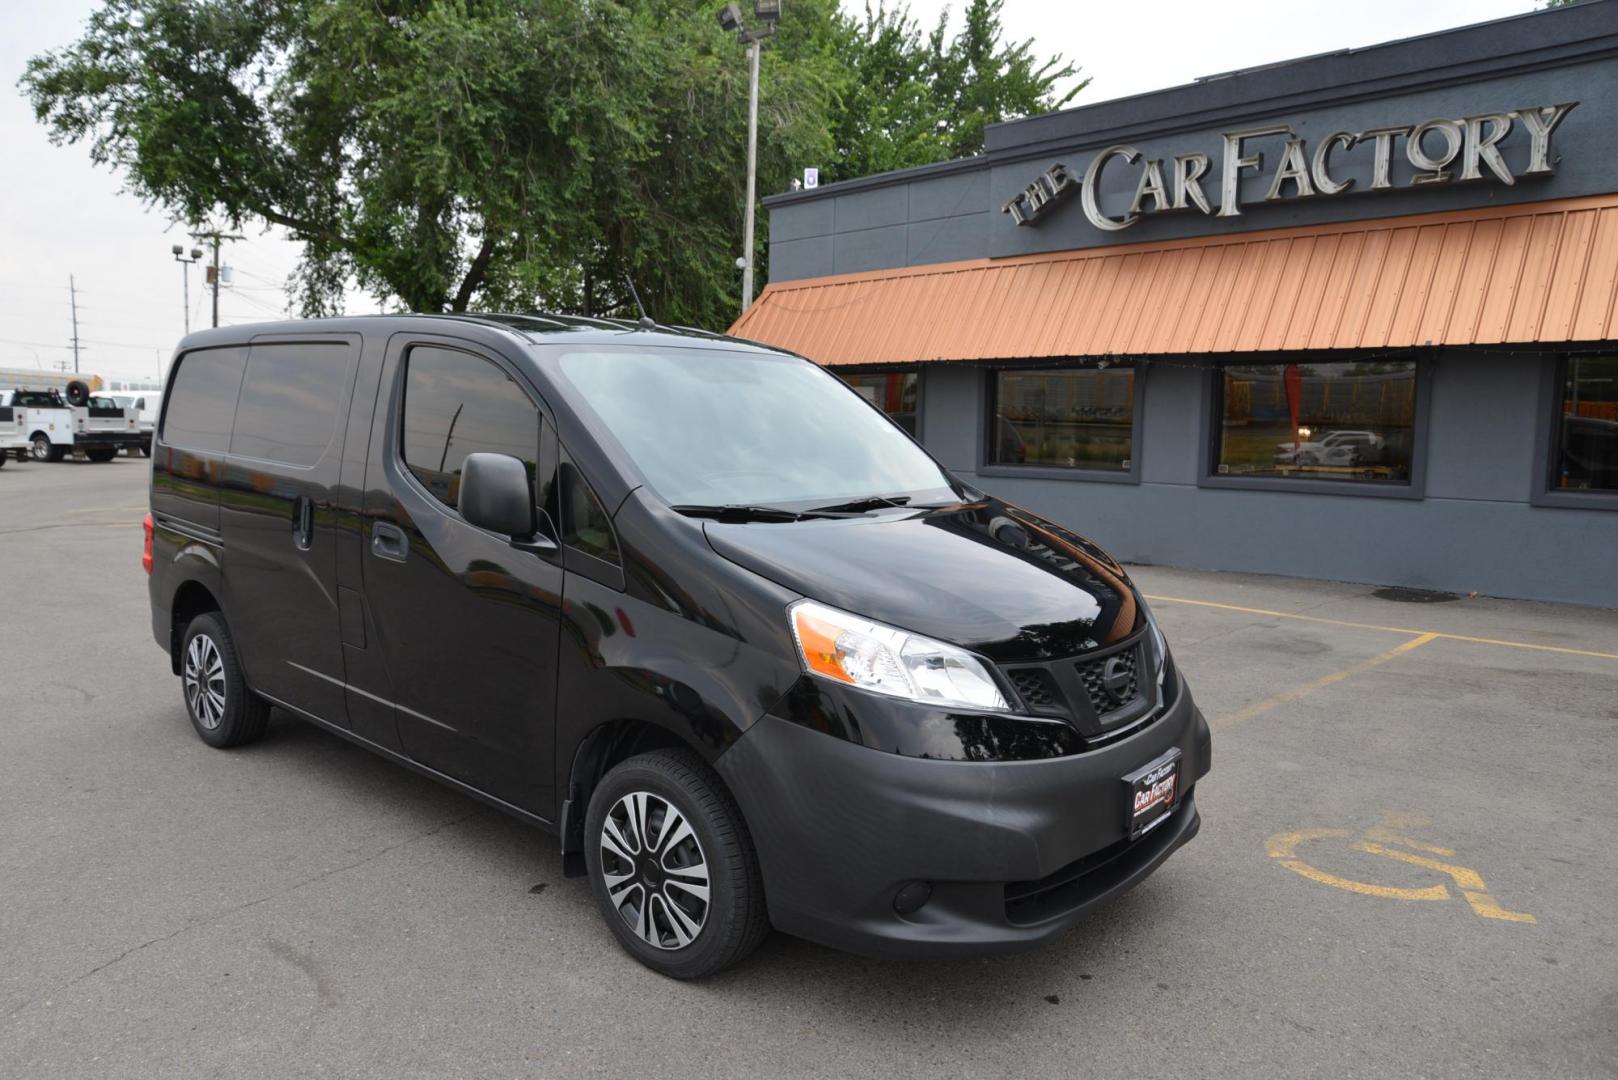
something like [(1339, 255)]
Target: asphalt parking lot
[(1407, 867)]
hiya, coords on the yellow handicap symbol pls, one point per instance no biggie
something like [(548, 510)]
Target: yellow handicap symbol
[(1388, 841)]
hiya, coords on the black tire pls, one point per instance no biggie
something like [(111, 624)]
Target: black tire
[(243, 716), (101, 453), (733, 921), (42, 449)]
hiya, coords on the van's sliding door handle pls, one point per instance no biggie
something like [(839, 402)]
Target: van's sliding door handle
[(388, 542), (303, 523)]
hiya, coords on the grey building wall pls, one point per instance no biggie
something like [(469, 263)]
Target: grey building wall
[(952, 211), (1474, 529)]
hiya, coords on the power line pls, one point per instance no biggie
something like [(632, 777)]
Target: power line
[(82, 341)]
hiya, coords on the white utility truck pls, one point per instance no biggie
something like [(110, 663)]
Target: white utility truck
[(13, 440), (58, 419)]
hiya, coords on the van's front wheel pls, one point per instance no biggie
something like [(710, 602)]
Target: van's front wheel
[(672, 866), (223, 710)]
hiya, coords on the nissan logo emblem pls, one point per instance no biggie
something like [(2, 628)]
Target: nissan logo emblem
[(1115, 679)]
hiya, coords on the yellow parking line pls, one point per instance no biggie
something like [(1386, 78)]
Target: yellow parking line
[(1287, 696), (1429, 634)]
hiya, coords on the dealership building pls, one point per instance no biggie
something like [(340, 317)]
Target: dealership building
[(1349, 317)]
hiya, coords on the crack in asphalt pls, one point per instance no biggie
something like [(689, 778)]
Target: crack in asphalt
[(70, 525), (227, 913)]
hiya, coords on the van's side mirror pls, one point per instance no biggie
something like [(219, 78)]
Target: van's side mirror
[(496, 495)]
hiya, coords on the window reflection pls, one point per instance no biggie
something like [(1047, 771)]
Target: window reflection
[(1080, 418), (1351, 422), (458, 404), (1586, 457), (894, 392)]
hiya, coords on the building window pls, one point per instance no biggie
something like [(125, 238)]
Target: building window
[(894, 392), (1352, 422), (1072, 418), (1585, 454)]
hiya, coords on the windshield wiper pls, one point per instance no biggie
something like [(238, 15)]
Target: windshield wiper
[(874, 502), (737, 512)]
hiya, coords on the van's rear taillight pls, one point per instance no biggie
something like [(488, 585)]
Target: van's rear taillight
[(146, 558)]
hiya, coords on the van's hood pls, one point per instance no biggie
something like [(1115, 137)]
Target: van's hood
[(987, 576)]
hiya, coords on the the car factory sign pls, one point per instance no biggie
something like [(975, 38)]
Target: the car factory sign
[(1441, 151)]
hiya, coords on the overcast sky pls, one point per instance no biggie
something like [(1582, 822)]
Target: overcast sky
[(59, 215)]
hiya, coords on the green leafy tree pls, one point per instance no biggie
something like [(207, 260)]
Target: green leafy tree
[(912, 99), (515, 154)]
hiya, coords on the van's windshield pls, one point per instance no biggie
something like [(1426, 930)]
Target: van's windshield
[(727, 427)]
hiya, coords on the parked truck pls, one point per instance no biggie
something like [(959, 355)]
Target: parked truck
[(145, 396), (55, 423), (13, 440)]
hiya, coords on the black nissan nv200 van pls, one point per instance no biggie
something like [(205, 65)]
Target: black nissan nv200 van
[(689, 602)]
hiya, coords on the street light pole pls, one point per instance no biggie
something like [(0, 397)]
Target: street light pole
[(185, 277), (753, 50), (768, 13)]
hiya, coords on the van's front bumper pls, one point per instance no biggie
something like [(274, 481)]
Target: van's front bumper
[(1013, 853)]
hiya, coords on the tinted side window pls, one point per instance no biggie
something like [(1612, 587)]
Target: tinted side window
[(587, 527), (202, 399), (457, 404), (288, 407)]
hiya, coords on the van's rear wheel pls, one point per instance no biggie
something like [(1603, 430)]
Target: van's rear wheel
[(101, 453), (223, 710), (672, 866)]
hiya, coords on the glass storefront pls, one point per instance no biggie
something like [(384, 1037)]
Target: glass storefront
[(1585, 457), (1351, 422), (1076, 418)]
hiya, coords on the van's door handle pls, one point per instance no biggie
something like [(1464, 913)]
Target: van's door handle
[(388, 541), (303, 522)]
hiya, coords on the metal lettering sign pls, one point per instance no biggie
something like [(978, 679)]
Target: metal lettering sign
[(1442, 151)]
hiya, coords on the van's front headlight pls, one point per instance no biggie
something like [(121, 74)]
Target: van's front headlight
[(885, 660)]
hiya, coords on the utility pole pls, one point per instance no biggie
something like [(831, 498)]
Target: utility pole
[(214, 238), (73, 303)]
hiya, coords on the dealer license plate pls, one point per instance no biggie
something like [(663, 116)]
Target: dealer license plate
[(1152, 791)]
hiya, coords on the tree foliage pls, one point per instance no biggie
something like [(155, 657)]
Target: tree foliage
[(513, 154)]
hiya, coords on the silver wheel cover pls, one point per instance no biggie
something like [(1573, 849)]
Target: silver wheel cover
[(204, 681), (654, 870)]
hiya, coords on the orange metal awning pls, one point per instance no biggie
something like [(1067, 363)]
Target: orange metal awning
[(1541, 272)]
